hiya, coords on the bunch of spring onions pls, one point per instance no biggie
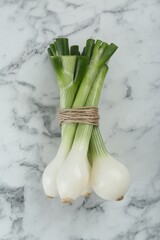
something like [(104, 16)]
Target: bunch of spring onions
[(82, 163)]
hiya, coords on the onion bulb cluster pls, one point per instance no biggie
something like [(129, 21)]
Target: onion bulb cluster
[(107, 177)]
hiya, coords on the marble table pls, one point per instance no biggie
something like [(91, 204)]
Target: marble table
[(129, 109)]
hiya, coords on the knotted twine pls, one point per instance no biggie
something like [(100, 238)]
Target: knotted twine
[(85, 115)]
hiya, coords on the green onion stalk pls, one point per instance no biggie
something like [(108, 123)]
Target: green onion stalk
[(80, 80)]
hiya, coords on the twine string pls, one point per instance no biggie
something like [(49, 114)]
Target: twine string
[(86, 115)]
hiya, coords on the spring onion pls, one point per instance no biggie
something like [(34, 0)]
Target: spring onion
[(80, 80), (75, 170), (109, 178)]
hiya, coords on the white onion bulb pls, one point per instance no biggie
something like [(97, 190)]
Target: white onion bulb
[(110, 179), (88, 189), (73, 177), (49, 178)]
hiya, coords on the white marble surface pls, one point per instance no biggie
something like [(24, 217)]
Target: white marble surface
[(130, 118)]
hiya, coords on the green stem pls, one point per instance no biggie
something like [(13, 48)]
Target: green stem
[(84, 89), (67, 94), (97, 147), (64, 67), (74, 50), (84, 131), (99, 54), (69, 71), (62, 46)]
